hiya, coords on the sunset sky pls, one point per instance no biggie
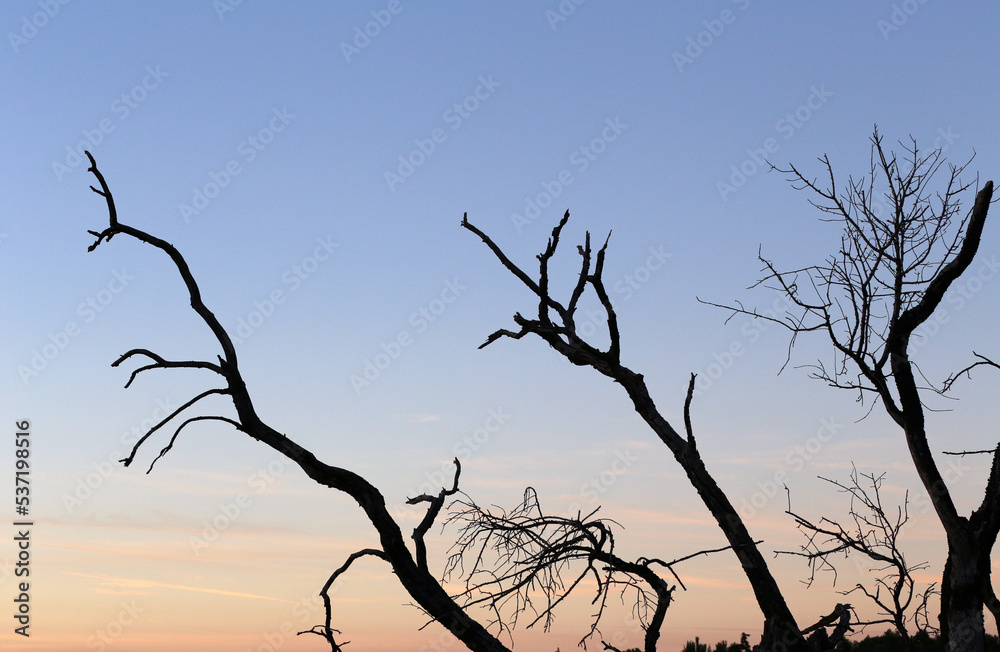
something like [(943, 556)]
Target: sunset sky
[(313, 160)]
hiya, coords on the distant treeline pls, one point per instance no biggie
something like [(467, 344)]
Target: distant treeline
[(890, 641)]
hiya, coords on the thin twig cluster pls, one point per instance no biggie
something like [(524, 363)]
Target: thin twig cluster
[(872, 531)]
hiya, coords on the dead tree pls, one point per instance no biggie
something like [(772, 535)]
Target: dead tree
[(555, 324), (412, 570), (511, 558), (991, 601), (873, 532), (556, 541), (902, 247)]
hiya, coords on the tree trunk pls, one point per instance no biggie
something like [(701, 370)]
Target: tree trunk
[(781, 633), (970, 540), (962, 623)]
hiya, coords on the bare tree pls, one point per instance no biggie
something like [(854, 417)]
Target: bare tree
[(555, 324), (510, 557), (535, 548), (873, 532), (903, 246), (412, 570), (571, 536)]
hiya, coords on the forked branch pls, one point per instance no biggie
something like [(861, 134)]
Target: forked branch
[(873, 532), (561, 334), (415, 578), (433, 509), (523, 562), (982, 361), (326, 630)]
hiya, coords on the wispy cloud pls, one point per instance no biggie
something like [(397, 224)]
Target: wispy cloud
[(421, 418), (136, 583)]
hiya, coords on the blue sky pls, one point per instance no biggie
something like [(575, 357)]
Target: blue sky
[(313, 161)]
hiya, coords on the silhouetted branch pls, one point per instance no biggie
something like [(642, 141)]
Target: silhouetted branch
[(983, 361), (173, 438), (135, 448), (523, 561), (891, 271), (687, 411), (902, 247), (964, 453), (194, 292), (436, 502), (414, 577), (545, 301), (160, 363), (840, 619), (326, 630), (873, 533), (561, 334)]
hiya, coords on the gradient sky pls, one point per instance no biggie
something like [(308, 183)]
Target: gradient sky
[(262, 139)]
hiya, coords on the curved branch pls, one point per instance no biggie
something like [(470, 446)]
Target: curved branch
[(436, 502), (780, 626), (194, 292), (161, 363), (519, 554), (181, 427), (946, 275), (423, 587), (326, 630), (982, 361), (135, 448)]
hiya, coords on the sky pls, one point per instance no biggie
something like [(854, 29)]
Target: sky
[(313, 160)]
